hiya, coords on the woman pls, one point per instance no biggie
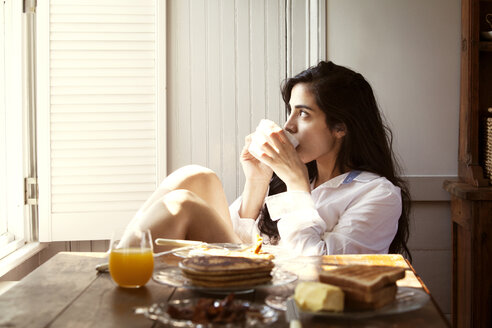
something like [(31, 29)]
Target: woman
[(337, 192)]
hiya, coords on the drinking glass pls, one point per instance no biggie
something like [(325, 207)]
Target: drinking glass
[(131, 260)]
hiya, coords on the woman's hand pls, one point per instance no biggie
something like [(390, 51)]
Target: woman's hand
[(258, 176), (254, 170), (281, 156)]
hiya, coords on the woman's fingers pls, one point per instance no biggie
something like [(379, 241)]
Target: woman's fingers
[(247, 139), (279, 154), (277, 144), (281, 136), (272, 148), (245, 151), (279, 140), (268, 151)]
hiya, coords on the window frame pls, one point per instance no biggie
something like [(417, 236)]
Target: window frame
[(3, 135), (13, 210)]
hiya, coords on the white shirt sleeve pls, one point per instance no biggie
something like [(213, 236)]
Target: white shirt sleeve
[(243, 227), (367, 225), (300, 227)]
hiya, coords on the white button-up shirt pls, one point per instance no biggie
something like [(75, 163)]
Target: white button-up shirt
[(356, 212)]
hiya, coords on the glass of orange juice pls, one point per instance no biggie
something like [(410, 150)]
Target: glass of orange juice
[(131, 260)]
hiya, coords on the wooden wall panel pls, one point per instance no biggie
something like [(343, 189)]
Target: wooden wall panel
[(198, 82), (257, 54), (213, 89), (243, 79), (228, 99), (226, 62), (179, 104)]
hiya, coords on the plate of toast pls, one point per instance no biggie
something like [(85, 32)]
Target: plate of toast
[(355, 291), (406, 299), (223, 274)]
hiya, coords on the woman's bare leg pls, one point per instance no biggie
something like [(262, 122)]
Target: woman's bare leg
[(181, 214), (202, 181), (189, 204)]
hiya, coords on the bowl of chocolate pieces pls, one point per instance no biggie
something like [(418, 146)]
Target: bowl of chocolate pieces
[(211, 313)]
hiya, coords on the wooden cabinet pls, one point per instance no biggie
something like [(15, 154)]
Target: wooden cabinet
[(476, 91), (471, 196), (471, 211)]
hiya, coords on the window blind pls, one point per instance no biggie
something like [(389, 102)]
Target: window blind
[(101, 105)]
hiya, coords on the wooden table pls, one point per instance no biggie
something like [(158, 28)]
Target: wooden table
[(66, 291)]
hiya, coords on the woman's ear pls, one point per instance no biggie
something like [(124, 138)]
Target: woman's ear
[(340, 130)]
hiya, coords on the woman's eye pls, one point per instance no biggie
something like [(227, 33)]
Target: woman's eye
[(303, 113)]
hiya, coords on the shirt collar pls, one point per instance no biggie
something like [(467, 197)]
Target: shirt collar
[(346, 178), (351, 176)]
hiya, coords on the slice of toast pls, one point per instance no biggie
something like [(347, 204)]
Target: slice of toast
[(380, 298), (386, 292), (363, 278)]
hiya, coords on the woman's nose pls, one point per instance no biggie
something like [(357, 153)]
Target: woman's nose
[(290, 126)]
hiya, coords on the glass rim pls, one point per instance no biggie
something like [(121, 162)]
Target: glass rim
[(136, 238)]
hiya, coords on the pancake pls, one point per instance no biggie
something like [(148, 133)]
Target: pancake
[(226, 271), (224, 265), (239, 283), (228, 277)]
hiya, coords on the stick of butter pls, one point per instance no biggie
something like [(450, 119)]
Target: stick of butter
[(316, 296)]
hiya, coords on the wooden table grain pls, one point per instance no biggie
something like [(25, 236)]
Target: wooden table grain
[(66, 291)]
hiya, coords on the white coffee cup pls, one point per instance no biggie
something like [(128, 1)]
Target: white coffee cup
[(259, 137)]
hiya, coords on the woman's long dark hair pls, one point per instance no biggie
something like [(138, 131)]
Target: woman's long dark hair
[(346, 97)]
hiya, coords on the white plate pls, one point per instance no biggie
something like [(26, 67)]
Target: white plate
[(280, 254), (172, 276), (407, 299), (158, 312), (199, 251)]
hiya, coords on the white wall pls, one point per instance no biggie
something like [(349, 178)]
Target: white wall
[(226, 61), (409, 50), (225, 65)]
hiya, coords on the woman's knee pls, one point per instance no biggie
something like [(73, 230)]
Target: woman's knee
[(191, 174), (180, 201), (199, 172)]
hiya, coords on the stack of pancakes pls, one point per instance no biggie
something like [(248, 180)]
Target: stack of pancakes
[(226, 271)]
